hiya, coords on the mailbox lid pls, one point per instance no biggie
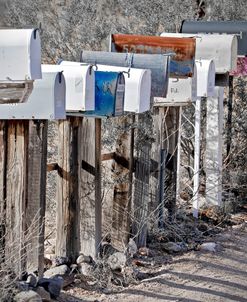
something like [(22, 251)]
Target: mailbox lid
[(229, 27), (80, 85), (182, 63), (47, 100), (220, 48), (20, 54), (205, 78), (109, 94), (158, 64), (137, 87)]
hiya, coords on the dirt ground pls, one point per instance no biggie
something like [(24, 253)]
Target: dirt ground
[(192, 277)]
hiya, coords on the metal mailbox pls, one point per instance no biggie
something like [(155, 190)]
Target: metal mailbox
[(20, 55), (47, 100), (220, 48), (183, 50), (109, 94), (20, 63), (137, 87), (205, 78), (230, 27), (80, 84), (181, 92), (158, 64)]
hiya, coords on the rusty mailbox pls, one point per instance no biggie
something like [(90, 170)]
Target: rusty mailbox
[(47, 100), (157, 64), (20, 63), (182, 50)]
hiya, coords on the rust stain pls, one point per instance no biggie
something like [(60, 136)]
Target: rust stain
[(184, 48)]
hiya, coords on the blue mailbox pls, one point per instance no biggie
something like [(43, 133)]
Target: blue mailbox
[(109, 94)]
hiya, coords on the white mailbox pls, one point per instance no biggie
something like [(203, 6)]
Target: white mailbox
[(181, 92), (205, 78), (80, 85), (221, 48), (137, 87), (20, 55), (47, 100)]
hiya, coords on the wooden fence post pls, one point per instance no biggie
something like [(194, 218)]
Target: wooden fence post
[(68, 208), (36, 195)]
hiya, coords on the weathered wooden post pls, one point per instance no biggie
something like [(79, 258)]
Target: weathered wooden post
[(24, 182)]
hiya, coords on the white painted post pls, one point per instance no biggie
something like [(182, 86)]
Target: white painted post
[(213, 162), (179, 154), (197, 157)]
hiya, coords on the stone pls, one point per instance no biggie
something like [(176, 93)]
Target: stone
[(117, 261), (45, 295), (58, 270), (85, 269), (31, 280), (83, 258), (171, 247), (27, 296), (208, 247), (132, 247), (52, 285)]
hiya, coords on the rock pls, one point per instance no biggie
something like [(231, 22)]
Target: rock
[(132, 247), (52, 285), (47, 263), (31, 280), (85, 269), (171, 247), (22, 285), (58, 270), (84, 259), (208, 247), (59, 260), (117, 261), (27, 296), (45, 295)]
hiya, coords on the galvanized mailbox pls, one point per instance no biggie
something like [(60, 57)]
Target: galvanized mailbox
[(182, 50), (158, 64), (205, 78), (47, 100), (137, 87), (80, 84), (220, 48), (109, 94), (181, 92), (20, 63), (223, 27)]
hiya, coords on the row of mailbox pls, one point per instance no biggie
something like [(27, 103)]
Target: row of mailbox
[(167, 69)]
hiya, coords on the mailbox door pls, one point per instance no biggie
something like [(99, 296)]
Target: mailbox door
[(158, 64), (182, 62), (109, 94), (47, 100), (137, 87), (80, 82), (20, 55), (205, 78)]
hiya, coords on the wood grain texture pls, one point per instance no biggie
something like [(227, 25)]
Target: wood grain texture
[(36, 196), (67, 231), (16, 194)]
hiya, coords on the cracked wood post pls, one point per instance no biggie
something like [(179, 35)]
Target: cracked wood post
[(3, 154), (26, 143), (16, 194), (90, 186), (36, 195), (122, 176), (68, 209)]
